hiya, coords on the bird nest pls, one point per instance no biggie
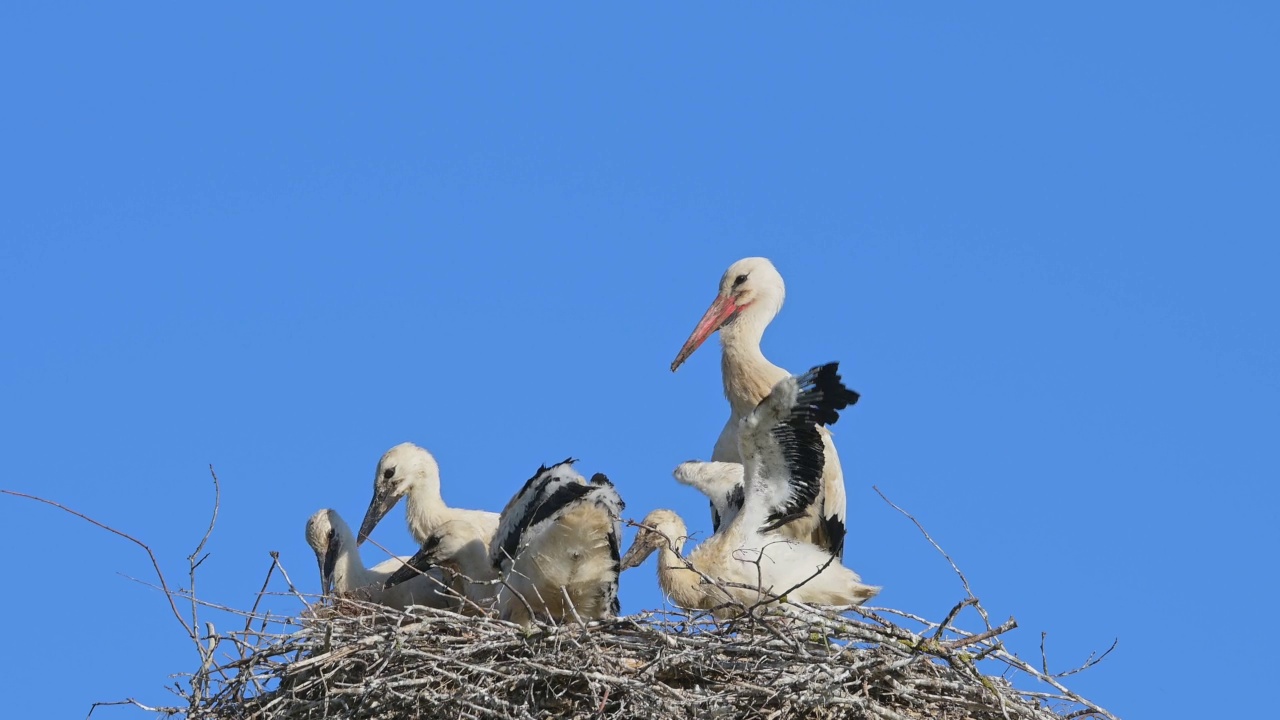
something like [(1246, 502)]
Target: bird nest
[(350, 659), (354, 660)]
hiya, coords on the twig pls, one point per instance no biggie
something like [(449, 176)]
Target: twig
[(1090, 661), (1005, 627), (194, 560), (191, 632), (135, 703), (253, 611), (951, 616), (963, 580)]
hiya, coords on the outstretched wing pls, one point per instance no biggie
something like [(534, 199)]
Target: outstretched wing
[(782, 447)]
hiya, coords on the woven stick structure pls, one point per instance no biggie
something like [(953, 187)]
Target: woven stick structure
[(354, 660), (348, 659)]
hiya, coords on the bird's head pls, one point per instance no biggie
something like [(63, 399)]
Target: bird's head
[(400, 469), (659, 529), (751, 293), (324, 535)]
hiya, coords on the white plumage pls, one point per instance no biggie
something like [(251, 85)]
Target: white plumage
[(344, 574), (410, 472), (782, 451), (750, 296), (456, 548), (721, 482)]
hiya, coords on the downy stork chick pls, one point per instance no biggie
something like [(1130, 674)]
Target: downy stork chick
[(409, 471), (343, 574), (749, 556), (557, 548), (750, 296), (456, 549)]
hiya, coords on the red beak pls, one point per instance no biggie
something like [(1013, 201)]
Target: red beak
[(719, 313)]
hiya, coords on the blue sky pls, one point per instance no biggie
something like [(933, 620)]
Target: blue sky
[(1041, 240)]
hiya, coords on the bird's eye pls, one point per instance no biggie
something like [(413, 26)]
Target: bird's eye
[(388, 473), (739, 280)]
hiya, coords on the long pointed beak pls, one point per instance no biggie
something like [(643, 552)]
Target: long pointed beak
[(636, 555), (329, 564), (715, 316), (378, 508)]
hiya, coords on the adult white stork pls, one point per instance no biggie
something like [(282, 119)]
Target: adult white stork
[(751, 560), (342, 572), (751, 294), (411, 472), (557, 548)]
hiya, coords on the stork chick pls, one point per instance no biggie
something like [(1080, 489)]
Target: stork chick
[(409, 471), (557, 548), (343, 573)]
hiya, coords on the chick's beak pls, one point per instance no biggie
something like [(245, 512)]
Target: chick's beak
[(381, 504), (637, 554)]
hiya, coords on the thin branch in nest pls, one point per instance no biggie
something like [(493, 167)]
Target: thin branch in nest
[(134, 703), (1005, 627), (951, 616), (164, 585), (213, 519), (275, 557), (194, 560), (248, 622), (1093, 659), (963, 580)]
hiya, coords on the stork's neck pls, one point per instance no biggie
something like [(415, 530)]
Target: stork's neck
[(748, 375), (679, 583), (349, 572), (425, 509)]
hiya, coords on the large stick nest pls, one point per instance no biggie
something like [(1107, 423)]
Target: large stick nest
[(351, 659), (354, 660)]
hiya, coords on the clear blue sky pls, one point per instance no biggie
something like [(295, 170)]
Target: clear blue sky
[(1041, 239)]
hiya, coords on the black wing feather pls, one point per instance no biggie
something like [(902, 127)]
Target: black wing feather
[(833, 530), (541, 469), (548, 506), (822, 395), (563, 496), (611, 587), (422, 561), (734, 501), (602, 480), (820, 398), (737, 497)]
